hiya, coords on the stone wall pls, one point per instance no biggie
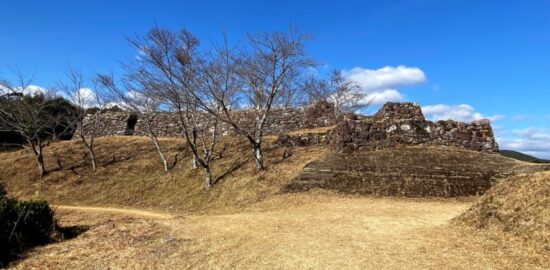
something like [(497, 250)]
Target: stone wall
[(404, 124), (393, 125), (165, 124)]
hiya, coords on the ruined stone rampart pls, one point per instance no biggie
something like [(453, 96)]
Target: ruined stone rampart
[(393, 125), (165, 124), (404, 124)]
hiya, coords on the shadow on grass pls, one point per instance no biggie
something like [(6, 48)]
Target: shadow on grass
[(60, 234), (69, 232)]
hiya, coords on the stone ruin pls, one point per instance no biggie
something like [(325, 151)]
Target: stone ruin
[(409, 171), (281, 121), (404, 124), (395, 124)]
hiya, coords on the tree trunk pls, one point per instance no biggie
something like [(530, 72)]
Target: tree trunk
[(40, 162), (39, 157), (159, 151), (195, 162), (258, 156), (92, 158), (193, 144), (207, 178)]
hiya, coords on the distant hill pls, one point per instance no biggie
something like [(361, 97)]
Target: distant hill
[(523, 157)]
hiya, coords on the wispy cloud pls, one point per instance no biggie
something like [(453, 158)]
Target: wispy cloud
[(462, 112), (532, 141)]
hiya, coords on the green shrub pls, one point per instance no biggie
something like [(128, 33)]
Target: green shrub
[(23, 224), (2, 191)]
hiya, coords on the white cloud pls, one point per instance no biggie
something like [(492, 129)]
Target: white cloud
[(532, 141), (88, 97), (31, 90), (462, 112), (34, 90), (379, 85), (381, 97), (385, 77)]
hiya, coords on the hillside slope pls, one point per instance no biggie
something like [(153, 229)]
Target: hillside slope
[(518, 206), (247, 220), (130, 174), (406, 171)]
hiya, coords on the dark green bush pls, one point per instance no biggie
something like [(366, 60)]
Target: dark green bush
[(2, 191), (23, 224)]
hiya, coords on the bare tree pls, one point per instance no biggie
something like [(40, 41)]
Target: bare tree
[(39, 118), (175, 71), (268, 64), (82, 97), (205, 88), (344, 94), (134, 98)]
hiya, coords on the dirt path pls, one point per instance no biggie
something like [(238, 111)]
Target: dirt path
[(124, 211), (291, 232)]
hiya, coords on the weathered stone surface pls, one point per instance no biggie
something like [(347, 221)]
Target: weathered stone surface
[(165, 124), (404, 124), (393, 125), (304, 139)]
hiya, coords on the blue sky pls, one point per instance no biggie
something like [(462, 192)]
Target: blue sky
[(458, 59)]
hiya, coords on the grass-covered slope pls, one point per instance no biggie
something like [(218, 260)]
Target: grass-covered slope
[(517, 206), (406, 171), (130, 174)]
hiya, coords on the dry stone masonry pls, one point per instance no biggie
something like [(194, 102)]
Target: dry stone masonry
[(393, 125), (404, 124), (165, 124)]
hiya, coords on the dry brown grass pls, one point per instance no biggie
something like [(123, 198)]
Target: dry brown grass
[(136, 179), (319, 130), (244, 222), (518, 206), (315, 230)]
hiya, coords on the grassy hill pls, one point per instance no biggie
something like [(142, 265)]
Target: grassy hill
[(130, 174), (523, 157), (248, 220)]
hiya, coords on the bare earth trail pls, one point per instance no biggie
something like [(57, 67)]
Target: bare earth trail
[(304, 231), (123, 211)]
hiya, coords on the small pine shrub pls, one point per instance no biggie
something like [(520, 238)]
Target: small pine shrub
[(23, 224)]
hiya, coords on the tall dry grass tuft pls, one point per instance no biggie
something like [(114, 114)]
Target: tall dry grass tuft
[(519, 207)]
